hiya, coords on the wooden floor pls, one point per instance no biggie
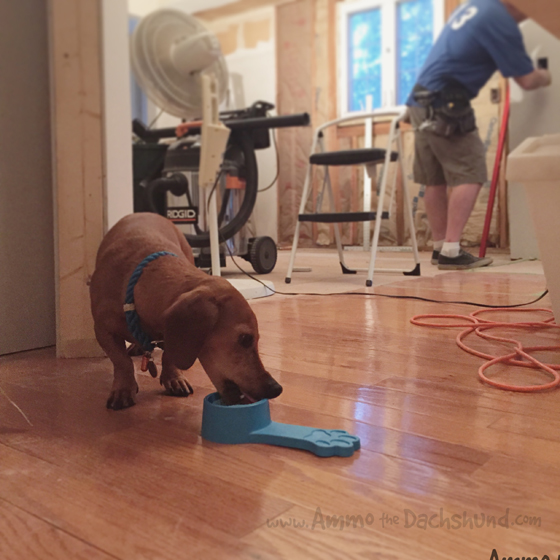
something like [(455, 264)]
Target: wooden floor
[(87, 483)]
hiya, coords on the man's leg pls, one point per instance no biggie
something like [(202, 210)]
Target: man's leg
[(436, 203), (428, 171), (461, 204), (435, 200), (463, 159), (448, 216)]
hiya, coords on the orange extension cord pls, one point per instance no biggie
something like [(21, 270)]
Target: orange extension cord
[(520, 357)]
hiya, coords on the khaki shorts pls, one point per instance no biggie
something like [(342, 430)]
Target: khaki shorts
[(453, 161)]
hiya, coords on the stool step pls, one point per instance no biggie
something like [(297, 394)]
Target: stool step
[(352, 157), (342, 217)]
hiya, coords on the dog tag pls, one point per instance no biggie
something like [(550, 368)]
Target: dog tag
[(148, 364), (145, 361), (152, 368)]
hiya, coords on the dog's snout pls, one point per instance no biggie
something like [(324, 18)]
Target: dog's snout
[(273, 390)]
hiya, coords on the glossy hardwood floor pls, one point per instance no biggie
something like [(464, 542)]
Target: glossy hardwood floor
[(87, 483)]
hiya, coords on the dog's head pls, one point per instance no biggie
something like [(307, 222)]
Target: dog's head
[(215, 324)]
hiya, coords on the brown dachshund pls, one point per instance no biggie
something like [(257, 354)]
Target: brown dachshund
[(194, 314)]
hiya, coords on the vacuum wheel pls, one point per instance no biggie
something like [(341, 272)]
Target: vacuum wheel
[(262, 254)]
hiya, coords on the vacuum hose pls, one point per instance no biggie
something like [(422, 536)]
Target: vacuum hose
[(177, 184)]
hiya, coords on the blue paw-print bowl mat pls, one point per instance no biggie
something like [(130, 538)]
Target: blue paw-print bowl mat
[(251, 423)]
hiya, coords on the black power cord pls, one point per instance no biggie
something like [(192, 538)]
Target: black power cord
[(418, 298), (214, 186), (363, 294), (277, 164)]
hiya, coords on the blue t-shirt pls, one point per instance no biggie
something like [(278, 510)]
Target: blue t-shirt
[(480, 38)]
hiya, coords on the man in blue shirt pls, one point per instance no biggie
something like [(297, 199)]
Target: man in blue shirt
[(481, 37)]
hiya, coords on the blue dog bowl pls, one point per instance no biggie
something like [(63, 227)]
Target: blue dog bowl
[(251, 423)]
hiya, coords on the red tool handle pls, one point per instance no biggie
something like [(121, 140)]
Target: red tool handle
[(496, 176)]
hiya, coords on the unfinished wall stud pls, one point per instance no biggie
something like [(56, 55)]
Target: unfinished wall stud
[(78, 164)]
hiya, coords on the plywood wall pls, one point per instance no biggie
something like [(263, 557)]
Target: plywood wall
[(294, 33), (243, 31)]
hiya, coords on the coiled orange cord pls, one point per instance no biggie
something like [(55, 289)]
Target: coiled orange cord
[(520, 357)]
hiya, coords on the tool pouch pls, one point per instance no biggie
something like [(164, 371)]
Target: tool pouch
[(450, 112)]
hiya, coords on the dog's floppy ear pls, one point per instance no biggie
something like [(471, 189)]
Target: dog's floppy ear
[(187, 324)]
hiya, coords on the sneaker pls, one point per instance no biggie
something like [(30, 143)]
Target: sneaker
[(463, 262), (435, 257)]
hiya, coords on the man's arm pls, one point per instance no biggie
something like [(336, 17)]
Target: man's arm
[(536, 79)]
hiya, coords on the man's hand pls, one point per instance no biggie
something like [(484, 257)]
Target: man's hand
[(184, 128), (537, 79)]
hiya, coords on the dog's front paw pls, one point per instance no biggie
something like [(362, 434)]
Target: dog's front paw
[(176, 386), (122, 397)]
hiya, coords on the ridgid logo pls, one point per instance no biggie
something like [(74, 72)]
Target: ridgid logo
[(495, 556), (183, 215)]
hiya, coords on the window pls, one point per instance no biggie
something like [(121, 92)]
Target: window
[(384, 44), (364, 58)]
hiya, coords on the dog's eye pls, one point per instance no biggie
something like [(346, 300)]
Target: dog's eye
[(246, 340)]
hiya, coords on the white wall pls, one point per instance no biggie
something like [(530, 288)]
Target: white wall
[(532, 114), (117, 111), (257, 69)]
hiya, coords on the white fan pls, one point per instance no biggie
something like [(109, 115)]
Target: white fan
[(179, 65), (170, 50)]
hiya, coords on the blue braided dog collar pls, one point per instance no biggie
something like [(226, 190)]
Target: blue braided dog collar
[(132, 318)]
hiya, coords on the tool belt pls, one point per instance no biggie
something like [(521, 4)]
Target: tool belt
[(449, 111)]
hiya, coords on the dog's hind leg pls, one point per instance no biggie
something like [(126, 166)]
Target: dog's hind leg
[(124, 383), (172, 379)]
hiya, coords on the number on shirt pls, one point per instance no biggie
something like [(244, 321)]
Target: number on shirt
[(467, 15)]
